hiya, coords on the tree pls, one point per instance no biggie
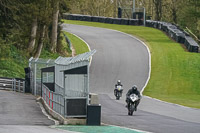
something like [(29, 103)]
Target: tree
[(158, 9), (44, 21), (32, 39), (40, 42), (54, 34)]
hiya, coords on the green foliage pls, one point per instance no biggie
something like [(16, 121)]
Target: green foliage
[(93, 7), (48, 55), (16, 25), (12, 65), (175, 73), (4, 49)]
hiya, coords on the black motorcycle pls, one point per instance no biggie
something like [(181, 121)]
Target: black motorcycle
[(132, 103)]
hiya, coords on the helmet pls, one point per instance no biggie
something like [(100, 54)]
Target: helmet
[(134, 88), (118, 82)]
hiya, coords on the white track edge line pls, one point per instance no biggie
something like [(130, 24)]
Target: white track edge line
[(149, 74)]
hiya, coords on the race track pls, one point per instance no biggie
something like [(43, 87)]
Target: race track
[(120, 56)]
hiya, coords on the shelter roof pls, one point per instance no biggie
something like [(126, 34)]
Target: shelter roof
[(69, 60)]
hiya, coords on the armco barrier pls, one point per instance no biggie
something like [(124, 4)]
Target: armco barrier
[(171, 30)]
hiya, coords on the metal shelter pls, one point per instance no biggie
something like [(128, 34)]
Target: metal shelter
[(64, 83), (35, 65)]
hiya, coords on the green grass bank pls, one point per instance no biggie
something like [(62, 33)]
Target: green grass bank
[(79, 45), (175, 73)]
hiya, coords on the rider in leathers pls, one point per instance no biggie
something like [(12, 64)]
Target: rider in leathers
[(118, 84), (133, 90)]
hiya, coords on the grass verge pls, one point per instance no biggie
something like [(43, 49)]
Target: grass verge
[(175, 73), (79, 45)]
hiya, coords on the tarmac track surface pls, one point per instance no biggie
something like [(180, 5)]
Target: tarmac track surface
[(19, 113), (120, 56)]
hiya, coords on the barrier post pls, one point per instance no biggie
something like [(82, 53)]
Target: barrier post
[(18, 85), (23, 86), (14, 84)]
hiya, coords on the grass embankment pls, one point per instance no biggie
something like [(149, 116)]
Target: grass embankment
[(13, 64), (79, 46), (175, 73)]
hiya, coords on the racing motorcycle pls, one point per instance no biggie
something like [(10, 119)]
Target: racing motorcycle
[(118, 92), (132, 105)]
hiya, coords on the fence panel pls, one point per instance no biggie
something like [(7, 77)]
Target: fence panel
[(54, 100)]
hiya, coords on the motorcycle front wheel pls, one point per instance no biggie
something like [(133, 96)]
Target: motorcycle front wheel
[(117, 95), (131, 109)]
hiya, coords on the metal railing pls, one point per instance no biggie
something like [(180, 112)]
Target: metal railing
[(54, 100), (14, 84)]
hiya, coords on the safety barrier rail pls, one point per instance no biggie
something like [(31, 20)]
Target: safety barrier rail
[(15, 84)]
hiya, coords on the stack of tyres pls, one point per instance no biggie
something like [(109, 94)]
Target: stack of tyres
[(160, 25), (116, 20), (191, 45), (133, 22), (165, 27), (86, 18), (174, 33), (102, 19), (78, 17), (95, 19), (180, 37), (170, 30), (155, 24), (124, 21), (109, 20), (148, 23)]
